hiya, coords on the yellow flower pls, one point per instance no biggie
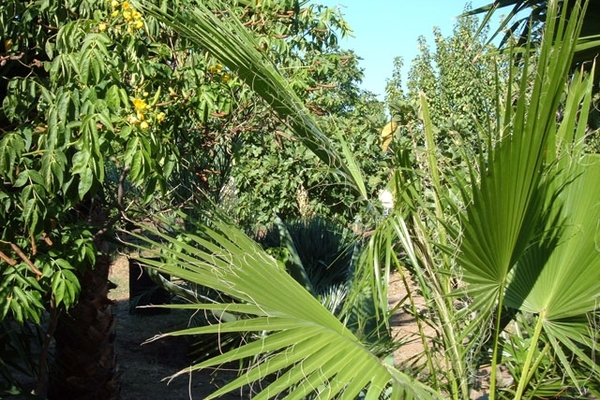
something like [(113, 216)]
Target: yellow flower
[(144, 125), (138, 24), (114, 4), (218, 67), (114, 14), (136, 14), (160, 117), (132, 120), (139, 104), (140, 116), (126, 5), (226, 78), (102, 27), (127, 15)]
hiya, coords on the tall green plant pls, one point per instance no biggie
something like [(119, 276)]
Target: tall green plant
[(521, 218), (414, 234)]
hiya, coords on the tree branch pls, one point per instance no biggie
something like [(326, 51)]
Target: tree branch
[(7, 259), (43, 358), (26, 259), (120, 194)]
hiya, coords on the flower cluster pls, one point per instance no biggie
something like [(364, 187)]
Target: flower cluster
[(132, 17), (217, 71), (144, 113)]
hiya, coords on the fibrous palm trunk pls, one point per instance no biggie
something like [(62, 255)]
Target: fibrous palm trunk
[(85, 366)]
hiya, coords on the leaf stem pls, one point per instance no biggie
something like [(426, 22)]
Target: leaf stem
[(26, 259), (494, 366), (526, 375)]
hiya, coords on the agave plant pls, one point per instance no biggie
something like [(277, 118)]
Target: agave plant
[(522, 238), (324, 248)]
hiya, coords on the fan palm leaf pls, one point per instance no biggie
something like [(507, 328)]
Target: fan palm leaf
[(529, 234), (313, 352), (508, 199), (545, 278)]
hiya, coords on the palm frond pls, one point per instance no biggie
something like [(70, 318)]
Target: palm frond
[(526, 15), (232, 44), (500, 221), (529, 239), (312, 351), (545, 279)]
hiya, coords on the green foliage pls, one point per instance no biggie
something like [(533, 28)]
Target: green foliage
[(316, 354), (328, 86), (500, 237), (461, 77), (103, 103), (108, 113), (325, 249), (63, 117), (492, 242), (306, 187)]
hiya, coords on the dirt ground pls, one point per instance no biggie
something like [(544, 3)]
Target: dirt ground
[(144, 366)]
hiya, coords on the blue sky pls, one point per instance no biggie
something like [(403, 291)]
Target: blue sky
[(384, 29)]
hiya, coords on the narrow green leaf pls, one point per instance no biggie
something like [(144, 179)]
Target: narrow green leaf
[(86, 180), (62, 106), (58, 287), (96, 66), (137, 166), (84, 68), (112, 98), (11, 147)]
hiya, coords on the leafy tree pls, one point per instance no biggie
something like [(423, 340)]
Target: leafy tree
[(460, 79), (105, 110), (304, 186), (326, 79)]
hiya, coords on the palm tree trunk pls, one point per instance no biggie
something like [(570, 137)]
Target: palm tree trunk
[(85, 367)]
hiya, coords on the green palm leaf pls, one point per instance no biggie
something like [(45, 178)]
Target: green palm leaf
[(508, 202), (312, 351), (233, 45), (566, 282), (530, 232)]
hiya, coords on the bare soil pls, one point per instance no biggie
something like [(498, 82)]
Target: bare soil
[(145, 367)]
